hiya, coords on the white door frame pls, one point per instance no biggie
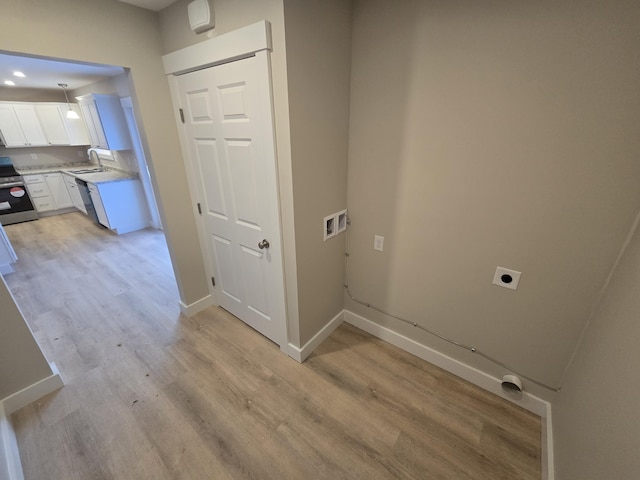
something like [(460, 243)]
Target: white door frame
[(253, 40)]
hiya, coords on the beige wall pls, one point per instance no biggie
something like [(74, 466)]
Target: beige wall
[(318, 37), (492, 133), (117, 85), (21, 361), (115, 33), (13, 94), (595, 417)]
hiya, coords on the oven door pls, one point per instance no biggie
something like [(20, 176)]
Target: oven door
[(15, 204)]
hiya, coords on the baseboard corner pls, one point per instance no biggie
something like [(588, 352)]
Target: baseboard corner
[(197, 306), (10, 464), (300, 354), (33, 392)]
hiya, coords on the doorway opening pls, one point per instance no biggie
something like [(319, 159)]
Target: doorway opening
[(69, 249)]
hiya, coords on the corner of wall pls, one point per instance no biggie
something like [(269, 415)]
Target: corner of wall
[(10, 466), (197, 306)]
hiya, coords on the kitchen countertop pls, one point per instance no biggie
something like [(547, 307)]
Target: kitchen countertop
[(108, 175)]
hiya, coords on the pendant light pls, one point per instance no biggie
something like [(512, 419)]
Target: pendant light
[(70, 113)]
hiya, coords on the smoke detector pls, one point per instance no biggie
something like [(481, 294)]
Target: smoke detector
[(201, 16)]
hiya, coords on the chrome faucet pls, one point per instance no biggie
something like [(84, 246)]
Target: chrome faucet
[(97, 157)]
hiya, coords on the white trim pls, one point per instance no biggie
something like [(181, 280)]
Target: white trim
[(267, 120), (33, 392), (234, 45), (301, 354), (6, 269), (197, 306), (251, 41), (491, 384), (462, 370), (10, 465), (548, 468), (194, 192)]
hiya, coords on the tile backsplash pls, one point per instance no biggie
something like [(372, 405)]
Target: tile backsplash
[(44, 156), (23, 158)]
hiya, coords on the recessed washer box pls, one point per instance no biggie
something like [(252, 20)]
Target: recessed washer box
[(507, 278), (329, 226), (341, 221)]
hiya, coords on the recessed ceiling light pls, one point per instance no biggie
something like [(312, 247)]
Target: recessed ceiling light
[(9, 82), (19, 74)]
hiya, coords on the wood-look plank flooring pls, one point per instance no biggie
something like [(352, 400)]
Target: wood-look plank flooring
[(151, 394)]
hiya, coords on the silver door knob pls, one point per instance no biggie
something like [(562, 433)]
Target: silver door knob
[(263, 244)]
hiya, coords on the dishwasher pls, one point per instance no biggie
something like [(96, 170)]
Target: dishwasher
[(86, 199)]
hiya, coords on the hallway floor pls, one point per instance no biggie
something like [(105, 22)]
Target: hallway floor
[(151, 394)]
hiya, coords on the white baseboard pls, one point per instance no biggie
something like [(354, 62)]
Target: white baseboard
[(6, 269), (300, 354), (548, 472), (10, 466), (33, 392), (196, 307), (529, 402)]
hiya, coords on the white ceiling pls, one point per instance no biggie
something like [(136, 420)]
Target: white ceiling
[(155, 5), (46, 74)]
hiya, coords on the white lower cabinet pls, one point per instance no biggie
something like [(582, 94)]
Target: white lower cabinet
[(98, 205), (74, 192), (48, 192), (39, 192), (58, 189), (120, 205)]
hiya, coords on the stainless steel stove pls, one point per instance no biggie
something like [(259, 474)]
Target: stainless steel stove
[(15, 204)]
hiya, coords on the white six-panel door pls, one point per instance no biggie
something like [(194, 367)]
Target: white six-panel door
[(229, 129)]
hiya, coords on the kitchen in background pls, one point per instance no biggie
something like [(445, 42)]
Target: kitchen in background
[(93, 163), (68, 130)]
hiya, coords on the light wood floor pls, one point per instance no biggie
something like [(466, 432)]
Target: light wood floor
[(153, 395)]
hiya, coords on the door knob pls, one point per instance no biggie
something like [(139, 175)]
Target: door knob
[(263, 244)]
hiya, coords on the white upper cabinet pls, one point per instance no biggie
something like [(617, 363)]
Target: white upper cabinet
[(10, 130), (52, 124), (20, 127), (105, 121), (76, 127), (30, 124), (59, 129)]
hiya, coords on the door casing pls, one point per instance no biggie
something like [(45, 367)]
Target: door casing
[(253, 40)]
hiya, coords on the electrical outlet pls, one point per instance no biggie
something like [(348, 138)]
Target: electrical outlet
[(378, 243), (329, 226), (34, 156), (507, 278)]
